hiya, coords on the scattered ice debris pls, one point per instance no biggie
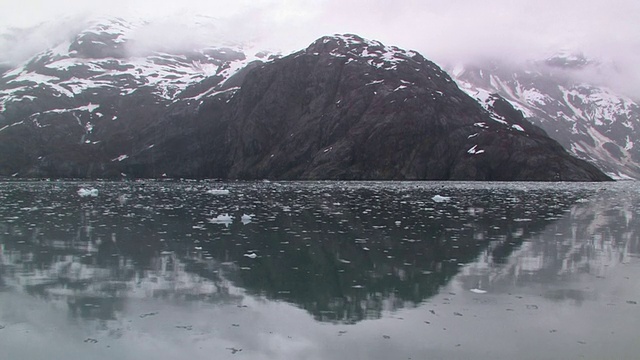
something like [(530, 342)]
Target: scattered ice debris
[(251, 255), (517, 127), (357, 286), (221, 219), (218, 192), (440, 198), (478, 291), (82, 192), (344, 261)]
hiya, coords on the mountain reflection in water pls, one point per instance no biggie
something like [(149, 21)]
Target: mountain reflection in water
[(342, 251)]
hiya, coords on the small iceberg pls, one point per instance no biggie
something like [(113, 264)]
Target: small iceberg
[(246, 218), (218, 192), (221, 219), (251, 255), (439, 198), (82, 192), (478, 291)]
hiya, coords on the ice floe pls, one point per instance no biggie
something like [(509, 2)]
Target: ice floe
[(218, 192), (440, 198), (221, 219), (85, 192), (246, 218)]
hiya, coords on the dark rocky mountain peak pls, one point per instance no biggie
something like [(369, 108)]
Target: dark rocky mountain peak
[(349, 108), (343, 108)]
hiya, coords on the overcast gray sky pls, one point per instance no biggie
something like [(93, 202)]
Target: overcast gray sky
[(441, 30)]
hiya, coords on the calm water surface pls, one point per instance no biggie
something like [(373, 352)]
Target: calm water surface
[(320, 270)]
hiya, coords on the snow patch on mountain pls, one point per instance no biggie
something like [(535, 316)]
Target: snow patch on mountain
[(373, 52)]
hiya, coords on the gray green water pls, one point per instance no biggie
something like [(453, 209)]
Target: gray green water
[(319, 270)]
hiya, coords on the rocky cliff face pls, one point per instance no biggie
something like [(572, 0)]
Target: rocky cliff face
[(344, 108), (348, 108)]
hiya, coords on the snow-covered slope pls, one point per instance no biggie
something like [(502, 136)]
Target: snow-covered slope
[(106, 58), (593, 122)]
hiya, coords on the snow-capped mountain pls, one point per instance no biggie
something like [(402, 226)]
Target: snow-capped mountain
[(103, 60), (102, 105), (93, 92), (593, 122)]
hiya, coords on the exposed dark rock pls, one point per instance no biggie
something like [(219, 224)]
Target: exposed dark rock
[(330, 112), (344, 108)]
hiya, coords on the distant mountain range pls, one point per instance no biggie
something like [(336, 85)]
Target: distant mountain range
[(343, 108), (593, 122)]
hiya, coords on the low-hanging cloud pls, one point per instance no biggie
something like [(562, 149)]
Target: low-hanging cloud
[(444, 31)]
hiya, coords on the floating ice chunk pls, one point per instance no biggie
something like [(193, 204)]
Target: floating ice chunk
[(120, 158), (246, 218), (221, 219), (88, 192), (517, 127), (344, 261), (478, 291), (439, 198), (251, 255), (218, 192)]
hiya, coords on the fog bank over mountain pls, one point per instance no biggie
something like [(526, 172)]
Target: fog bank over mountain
[(446, 32)]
